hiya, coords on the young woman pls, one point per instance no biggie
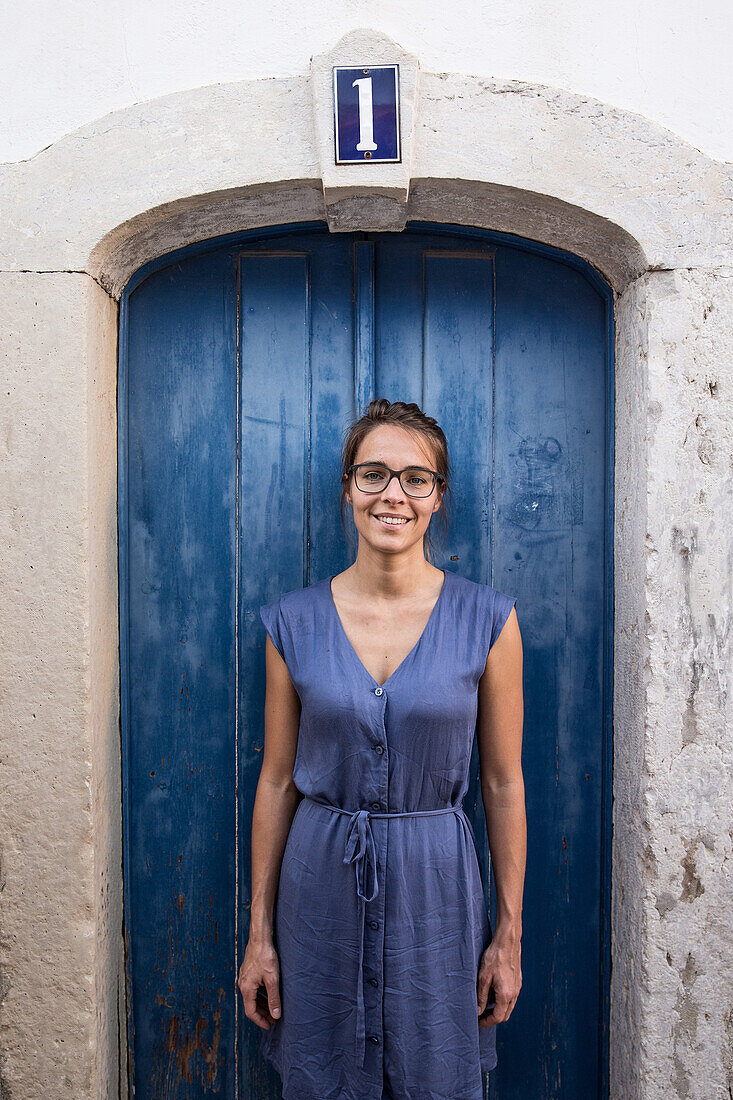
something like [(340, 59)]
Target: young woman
[(382, 977)]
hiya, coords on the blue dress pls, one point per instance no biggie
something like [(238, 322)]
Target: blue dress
[(379, 919)]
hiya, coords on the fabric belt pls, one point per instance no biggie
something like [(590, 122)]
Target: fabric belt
[(361, 850)]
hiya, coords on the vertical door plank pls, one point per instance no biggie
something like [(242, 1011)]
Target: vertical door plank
[(180, 592), (550, 417), (364, 377), (458, 313), (274, 387)]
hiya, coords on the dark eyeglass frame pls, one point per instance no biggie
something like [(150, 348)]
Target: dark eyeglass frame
[(437, 478)]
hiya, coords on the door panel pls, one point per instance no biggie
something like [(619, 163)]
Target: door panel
[(178, 616), (445, 331), (240, 369), (549, 498)]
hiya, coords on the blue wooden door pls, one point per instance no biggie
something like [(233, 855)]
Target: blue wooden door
[(239, 368)]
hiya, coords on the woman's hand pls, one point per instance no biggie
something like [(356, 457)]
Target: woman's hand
[(501, 967), (261, 966)]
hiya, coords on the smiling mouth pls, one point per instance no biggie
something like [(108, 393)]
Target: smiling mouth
[(391, 522)]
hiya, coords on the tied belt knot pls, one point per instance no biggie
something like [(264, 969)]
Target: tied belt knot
[(361, 850)]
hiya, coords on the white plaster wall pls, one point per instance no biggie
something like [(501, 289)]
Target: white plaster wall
[(685, 783), (64, 65), (49, 935), (671, 1010)]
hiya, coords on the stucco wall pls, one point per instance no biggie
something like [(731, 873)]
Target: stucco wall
[(651, 213), (672, 1007), (686, 785), (73, 63), (52, 925)]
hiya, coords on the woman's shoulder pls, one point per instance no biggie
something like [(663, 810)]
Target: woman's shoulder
[(286, 617), (488, 609), (482, 592), (297, 599)]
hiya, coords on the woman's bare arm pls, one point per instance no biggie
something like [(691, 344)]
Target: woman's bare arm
[(499, 734), (276, 800)]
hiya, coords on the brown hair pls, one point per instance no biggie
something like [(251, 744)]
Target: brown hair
[(412, 419)]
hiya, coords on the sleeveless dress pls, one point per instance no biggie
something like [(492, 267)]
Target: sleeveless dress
[(380, 919)]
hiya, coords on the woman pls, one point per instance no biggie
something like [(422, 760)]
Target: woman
[(368, 928)]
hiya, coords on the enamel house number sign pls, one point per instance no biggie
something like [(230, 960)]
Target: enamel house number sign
[(367, 114)]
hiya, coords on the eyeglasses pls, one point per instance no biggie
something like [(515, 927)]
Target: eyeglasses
[(373, 477)]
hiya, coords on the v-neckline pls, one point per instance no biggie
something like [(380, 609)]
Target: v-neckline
[(405, 659)]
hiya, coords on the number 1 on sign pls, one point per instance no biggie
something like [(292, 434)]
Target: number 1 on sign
[(366, 114)]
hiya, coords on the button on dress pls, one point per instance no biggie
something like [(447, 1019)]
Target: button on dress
[(379, 920)]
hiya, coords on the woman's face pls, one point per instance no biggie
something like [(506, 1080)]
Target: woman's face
[(396, 448)]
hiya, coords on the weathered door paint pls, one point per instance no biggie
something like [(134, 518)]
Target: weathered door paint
[(240, 366)]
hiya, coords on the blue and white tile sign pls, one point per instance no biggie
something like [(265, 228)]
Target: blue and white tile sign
[(367, 114)]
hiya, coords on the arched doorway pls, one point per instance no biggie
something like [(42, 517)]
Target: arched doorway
[(241, 361)]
